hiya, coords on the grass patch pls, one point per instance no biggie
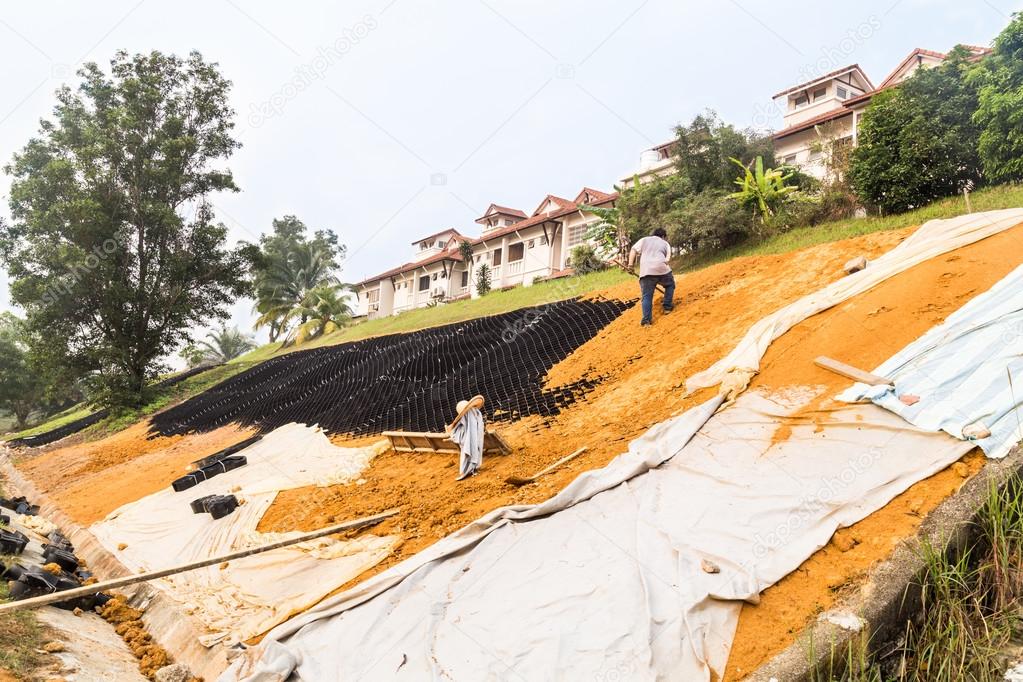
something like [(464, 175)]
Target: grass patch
[(21, 637), (988, 199), (494, 303), (970, 624), (69, 415)]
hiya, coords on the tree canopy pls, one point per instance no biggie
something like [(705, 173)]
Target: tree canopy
[(999, 113), (918, 142), (113, 250)]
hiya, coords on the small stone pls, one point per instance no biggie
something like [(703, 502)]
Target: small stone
[(122, 546), (224, 565), (709, 566), (53, 647), (915, 505), (176, 672), (53, 569), (855, 265), (909, 399), (961, 470), (77, 611)]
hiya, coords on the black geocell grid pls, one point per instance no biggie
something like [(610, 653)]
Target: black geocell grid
[(408, 381)]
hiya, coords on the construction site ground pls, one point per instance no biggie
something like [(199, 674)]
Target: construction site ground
[(643, 370)]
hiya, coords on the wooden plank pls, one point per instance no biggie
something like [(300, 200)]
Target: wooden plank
[(86, 590), (416, 441), (850, 372)]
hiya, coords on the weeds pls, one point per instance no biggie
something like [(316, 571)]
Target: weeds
[(971, 603), (21, 637)]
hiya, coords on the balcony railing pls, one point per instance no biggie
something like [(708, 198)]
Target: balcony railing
[(515, 267), (495, 273)]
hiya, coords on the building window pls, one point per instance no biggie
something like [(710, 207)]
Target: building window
[(842, 92), (516, 252), (543, 240), (577, 234), (435, 277), (496, 257), (424, 282), (790, 159), (530, 244), (477, 258), (815, 155), (465, 278), (802, 100), (819, 93)]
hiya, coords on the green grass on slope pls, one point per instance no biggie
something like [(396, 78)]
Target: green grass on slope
[(992, 198), (69, 415), (457, 311)]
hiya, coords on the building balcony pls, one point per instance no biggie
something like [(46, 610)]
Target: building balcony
[(514, 267)]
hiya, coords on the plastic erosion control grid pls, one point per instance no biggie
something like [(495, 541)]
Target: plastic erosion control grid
[(408, 381), (77, 425)]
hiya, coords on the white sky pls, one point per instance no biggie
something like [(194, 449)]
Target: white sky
[(415, 116)]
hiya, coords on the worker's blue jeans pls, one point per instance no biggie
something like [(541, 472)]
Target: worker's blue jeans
[(646, 287)]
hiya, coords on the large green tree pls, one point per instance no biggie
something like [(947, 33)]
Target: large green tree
[(704, 148), (918, 141), (21, 387), (1000, 110), (114, 251)]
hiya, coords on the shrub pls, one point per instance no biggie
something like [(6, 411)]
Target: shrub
[(584, 259), (709, 221), (483, 279)]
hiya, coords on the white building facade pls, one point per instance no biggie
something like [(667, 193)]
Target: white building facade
[(518, 248)]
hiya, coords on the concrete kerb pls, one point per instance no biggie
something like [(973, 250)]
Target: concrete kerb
[(891, 592), (164, 618)]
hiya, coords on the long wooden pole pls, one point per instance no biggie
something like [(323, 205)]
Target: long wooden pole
[(86, 590)]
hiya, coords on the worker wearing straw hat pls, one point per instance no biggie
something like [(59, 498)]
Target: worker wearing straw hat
[(467, 432)]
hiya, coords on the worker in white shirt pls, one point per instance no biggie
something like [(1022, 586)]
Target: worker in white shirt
[(654, 252)]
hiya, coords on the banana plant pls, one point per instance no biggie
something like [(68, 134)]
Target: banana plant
[(761, 189)]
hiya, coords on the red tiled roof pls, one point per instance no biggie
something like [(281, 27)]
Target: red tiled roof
[(567, 207), (811, 122), (664, 146), (833, 74), (889, 81), (450, 253), (437, 234), (495, 209), (563, 203), (588, 195)]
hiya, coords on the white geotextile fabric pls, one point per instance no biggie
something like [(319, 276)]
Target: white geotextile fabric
[(967, 371), (612, 584), (934, 238), (249, 596)]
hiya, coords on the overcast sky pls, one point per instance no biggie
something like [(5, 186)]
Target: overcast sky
[(394, 119)]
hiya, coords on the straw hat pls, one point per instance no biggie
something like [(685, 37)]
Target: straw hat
[(464, 406)]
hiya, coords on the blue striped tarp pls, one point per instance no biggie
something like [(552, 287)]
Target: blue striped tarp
[(967, 372)]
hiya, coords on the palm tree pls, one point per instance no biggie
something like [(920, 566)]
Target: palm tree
[(224, 344), (284, 282), (323, 309)]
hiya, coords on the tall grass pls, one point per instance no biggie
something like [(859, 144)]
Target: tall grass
[(971, 602)]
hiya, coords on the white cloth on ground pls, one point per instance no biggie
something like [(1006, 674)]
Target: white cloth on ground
[(613, 582), (934, 238), (468, 435), (966, 371), (249, 596)]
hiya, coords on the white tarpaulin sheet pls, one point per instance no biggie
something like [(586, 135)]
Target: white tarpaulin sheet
[(250, 596), (612, 584), (966, 372), (934, 238), (604, 580)]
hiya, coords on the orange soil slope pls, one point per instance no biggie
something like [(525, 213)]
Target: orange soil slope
[(864, 332), (643, 370)]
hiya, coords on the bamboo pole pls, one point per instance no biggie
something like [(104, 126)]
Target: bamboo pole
[(86, 590)]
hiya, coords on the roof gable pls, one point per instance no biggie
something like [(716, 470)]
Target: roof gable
[(553, 203), (856, 76), (590, 196)]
